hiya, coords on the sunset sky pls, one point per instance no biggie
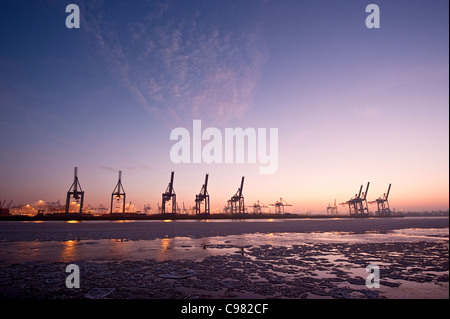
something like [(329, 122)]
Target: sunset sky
[(351, 104)]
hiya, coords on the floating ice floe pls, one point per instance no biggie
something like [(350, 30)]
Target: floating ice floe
[(179, 274), (99, 293)]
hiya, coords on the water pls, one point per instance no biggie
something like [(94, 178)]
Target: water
[(228, 259), (148, 230), (196, 249)]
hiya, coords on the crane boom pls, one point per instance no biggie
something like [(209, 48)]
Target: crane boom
[(367, 189), (171, 182), (206, 184), (360, 190), (242, 186), (389, 189)]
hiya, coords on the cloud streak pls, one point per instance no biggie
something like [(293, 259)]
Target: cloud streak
[(181, 66)]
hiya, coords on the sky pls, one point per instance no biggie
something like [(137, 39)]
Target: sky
[(351, 104)]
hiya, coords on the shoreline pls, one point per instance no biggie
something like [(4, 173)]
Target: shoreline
[(137, 217)]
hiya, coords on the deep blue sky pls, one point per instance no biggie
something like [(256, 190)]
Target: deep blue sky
[(351, 104)]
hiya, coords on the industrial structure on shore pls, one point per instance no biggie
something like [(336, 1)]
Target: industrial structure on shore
[(332, 210), (202, 199), (358, 205), (4, 209), (169, 195), (118, 197), (236, 202), (383, 208), (76, 193)]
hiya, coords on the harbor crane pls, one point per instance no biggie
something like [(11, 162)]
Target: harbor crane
[(2, 205), (279, 206), (332, 209), (358, 205), (202, 198), (257, 207), (236, 203), (169, 195), (118, 194), (147, 209), (75, 192), (4, 210), (383, 204), (189, 210)]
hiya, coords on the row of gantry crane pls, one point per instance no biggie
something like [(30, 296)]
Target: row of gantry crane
[(357, 205), (235, 205)]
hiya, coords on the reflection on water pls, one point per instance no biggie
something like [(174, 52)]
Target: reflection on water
[(196, 249), (421, 232), (68, 252), (163, 254), (72, 221)]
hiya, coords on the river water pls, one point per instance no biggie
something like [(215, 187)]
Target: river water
[(308, 258), (169, 240)]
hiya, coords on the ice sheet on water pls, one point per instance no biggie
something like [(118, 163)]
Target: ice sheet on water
[(99, 293), (180, 274)]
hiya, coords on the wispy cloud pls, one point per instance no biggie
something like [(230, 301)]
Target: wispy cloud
[(182, 66), (111, 48)]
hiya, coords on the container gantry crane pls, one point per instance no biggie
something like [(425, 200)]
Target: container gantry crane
[(202, 198), (279, 206), (383, 208), (257, 207), (236, 203), (332, 209), (168, 195), (358, 205), (118, 194), (76, 193)]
